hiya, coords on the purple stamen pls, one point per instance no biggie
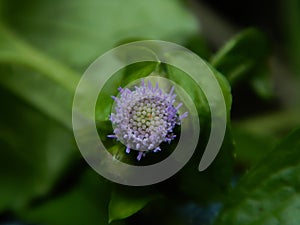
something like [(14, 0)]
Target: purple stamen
[(184, 115), (158, 149), (178, 106), (139, 156), (172, 90), (111, 136), (149, 85)]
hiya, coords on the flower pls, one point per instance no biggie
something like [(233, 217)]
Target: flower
[(144, 118)]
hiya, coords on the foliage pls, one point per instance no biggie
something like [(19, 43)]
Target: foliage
[(268, 193)]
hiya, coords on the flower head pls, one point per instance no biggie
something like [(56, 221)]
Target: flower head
[(144, 118)]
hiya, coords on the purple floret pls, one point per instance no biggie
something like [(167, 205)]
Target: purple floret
[(144, 118)]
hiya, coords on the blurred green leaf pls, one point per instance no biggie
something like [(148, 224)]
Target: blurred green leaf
[(58, 30), (78, 32), (124, 202), (199, 46), (250, 147), (14, 50), (272, 124), (245, 57), (42, 93), (36, 78), (269, 192), (86, 203), (261, 81), (35, 151), (43, 46)]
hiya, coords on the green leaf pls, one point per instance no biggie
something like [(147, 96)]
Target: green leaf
[(261, 81), (44, 149), (198, 45), (49, 39), (36, 78), (41, 93), (124, 202), (269, 192), (272, 124), (250, 146), (43, 48), (77, 32), (34, 153), (245, 57), (14, 50), (86, 203)]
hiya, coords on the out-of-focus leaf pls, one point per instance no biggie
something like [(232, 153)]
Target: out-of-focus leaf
[(14, 50), (37, 149), (198, 46), (79, 31), (86, 203), (53, 100), (34, 153), (36, 78), (39, 35), (273, 124), (245, 57), (242, 53), (269, 192), (250, 147), (125, 202), (261, 81)]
